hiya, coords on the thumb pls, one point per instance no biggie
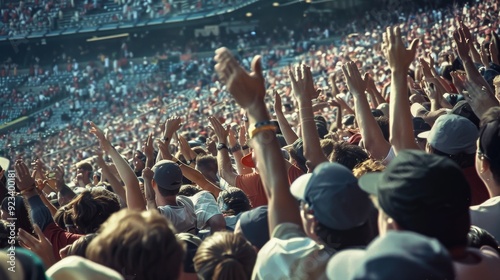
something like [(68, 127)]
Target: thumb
[(257, 65)]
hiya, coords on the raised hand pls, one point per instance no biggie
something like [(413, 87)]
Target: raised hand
[(458, 80), (24, 181), (479, 98), (302, 83), (462, 45), (430, 89), (357, 85), (185, 148), (40, 246), (103, 141), (248, 89), (219, 130), (164, 149), (396, 53), (148, 148), (171, 126), (147, 173)]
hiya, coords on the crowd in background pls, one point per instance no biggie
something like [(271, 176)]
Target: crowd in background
[(212, 148)]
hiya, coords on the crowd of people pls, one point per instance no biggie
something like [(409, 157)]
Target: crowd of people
[(375, 159)]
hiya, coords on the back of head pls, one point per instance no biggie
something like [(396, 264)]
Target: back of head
[(452, 134), (478, 237), (489, 139), (348, 155), (92, 208), (138, 244), (254, 226), (225, 255), (233, 201), (424, 193), (339, 206), (167, 177), (396, 255)]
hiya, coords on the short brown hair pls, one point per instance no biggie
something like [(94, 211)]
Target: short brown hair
[(137, 244), (225, 255), (91, 208)]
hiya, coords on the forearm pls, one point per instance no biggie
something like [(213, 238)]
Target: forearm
[(150, 195), (225, 169), (312, 148), (286, 129), (401, 127), (196, 177), (371, 133), (473, 74), (116, 185), (273, 174), (132, 191)]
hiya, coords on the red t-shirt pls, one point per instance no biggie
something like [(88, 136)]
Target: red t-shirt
[(59, 238), (252, 185)]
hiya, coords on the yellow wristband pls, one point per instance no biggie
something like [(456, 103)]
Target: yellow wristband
[(254, 131)]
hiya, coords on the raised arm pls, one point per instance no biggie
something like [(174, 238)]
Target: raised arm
[(133, 193), (373, 138), (149, 193), (223, 161), (116, 185), (399, 58), (192, 174), (463, 48), (248, 90), (235, 148), (285, 127), (303, 89)]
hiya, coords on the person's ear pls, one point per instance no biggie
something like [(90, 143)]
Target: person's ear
[(484, 166), (392, 224)]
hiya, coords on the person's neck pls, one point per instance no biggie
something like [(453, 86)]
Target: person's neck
[(170, 200), (462, 255), (166, 200), (493, 189)]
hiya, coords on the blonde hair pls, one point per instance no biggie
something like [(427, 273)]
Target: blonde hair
[(225, 256), (367, 166), (139, 245)]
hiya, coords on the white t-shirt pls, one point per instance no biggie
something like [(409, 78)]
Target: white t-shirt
[(205, 207), (290, 254), (487, 216), (487, 269), (182, 216)]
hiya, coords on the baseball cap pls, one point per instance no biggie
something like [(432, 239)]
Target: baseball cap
[(419, 126), (396, 255), (418, 110), (463, 108), (247, 160), (384, 107), (348, 119), (333, 194), (192, 243), (167, 175), (254, 226), (425, 193), (452, 134), (76, 268)]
